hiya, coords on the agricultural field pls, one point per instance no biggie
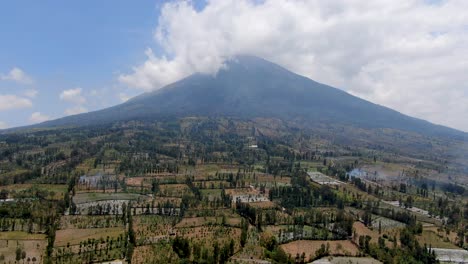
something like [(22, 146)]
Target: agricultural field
[(21, 246), (157, 193), (309, 248), (346, 260)]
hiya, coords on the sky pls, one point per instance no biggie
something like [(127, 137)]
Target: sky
[(61, 58)]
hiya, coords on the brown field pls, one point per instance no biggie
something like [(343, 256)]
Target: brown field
[(152, 227), (33, 244), (200, 221), (209, 234), (138, 181), (309, 247), (435, 240), (363, 230), (176, 190), (84, 221), (239, 191), (152, 254), (212, 184), (350, 260), (266, 204), (263, 178), (452, 236), (75, 236)]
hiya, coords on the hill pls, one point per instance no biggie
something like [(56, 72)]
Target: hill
[(250, 87)]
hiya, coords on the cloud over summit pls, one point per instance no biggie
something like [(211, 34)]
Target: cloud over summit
[(408, 55)]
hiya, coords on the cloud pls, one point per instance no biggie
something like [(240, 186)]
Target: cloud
[(76, 110), (408, 55), (73, 96), (31, 93), (124, 97), (37, 117), (10, 101), (17, 75), (3, 125)]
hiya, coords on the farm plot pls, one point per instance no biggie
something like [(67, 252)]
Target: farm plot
[(50, 191), (422, 215), (174, 190), (212, 184), (31, 246), (385, 223), (346, 260), (99, 180), (205, 236), (211, 194), (310, 247), (158, 253), (247, 195), (322, 179), (434, 239), (285, 233), (104, 203), (113, 207), (85, 197), (362, 230), (269, 180), (208, 221), (89, 245), (150, 229), (451, 255), (249, 198), (263, 204), (84, 222), (75, 236)]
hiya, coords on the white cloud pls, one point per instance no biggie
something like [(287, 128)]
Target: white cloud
[(10, 101), (37, 117), (408, 55), (76, 110), (17, 75), (31, 93), (73, 96), (124, 97), (3, 125)]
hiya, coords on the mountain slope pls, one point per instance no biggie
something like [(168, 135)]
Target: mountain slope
[(252, 87)]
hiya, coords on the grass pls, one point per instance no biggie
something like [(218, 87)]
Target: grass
[(429, 237), (18, 235), (58, 189), (211, 192)]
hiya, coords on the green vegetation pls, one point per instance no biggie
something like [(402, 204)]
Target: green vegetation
[(194, 191)]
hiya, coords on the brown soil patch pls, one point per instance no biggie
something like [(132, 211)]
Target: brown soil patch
[(309, 247), (75, 236)]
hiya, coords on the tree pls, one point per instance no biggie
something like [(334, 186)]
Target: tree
[(181, 247), (18, 254), (215, 252), (244, 230)]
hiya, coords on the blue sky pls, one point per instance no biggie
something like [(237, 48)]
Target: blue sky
[(65, 57), (63, 45)]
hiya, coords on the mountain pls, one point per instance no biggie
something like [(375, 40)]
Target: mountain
[(250, 87)]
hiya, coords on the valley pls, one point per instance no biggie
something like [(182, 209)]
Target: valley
[(222, 190)]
